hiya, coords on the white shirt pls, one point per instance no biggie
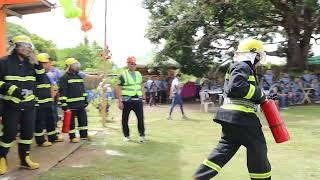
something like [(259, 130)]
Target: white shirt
[(175, 86)]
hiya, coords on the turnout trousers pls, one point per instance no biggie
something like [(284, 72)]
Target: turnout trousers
[(81, 115), (45, 120), (11, 118), (233, 136)]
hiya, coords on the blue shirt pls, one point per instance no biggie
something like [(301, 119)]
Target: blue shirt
[(295, 87), (54, 75), (82, 74), (285, 80), (307, 78), (267, 80)]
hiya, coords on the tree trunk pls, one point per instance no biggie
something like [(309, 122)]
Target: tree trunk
[(296, 55), (299, 34)]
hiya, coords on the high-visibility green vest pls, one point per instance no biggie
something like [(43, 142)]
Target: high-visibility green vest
[(131, 87)]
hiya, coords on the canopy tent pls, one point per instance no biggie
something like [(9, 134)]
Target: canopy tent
[(314, 60), (18, 8)]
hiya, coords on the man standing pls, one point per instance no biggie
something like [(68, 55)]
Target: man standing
[(175, 92), (54, 76), (74, 98), (163, 86), (267, 80), (237, 116), (129, 93), (20, 68), (45, 113)]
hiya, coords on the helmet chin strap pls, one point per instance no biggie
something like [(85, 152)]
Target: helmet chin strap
[(256, 61)]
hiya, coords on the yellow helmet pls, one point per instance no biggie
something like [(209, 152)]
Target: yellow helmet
[(22, 39), (43, 57), (70, 61), (250, 45)]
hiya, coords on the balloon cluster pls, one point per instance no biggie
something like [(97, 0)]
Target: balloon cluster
[(69, 9), (77, 11), (84, 19)]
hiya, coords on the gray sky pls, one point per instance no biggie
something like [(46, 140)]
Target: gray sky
[(126, 24)]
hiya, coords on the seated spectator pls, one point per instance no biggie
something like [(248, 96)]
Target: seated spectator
[(215, 84), (316, 90), (267, 80), (306, 79), (285, 79), (278, 90), (206, 84), (296, 92)]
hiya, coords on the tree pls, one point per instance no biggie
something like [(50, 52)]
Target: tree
[(199, 33), (41, 45), (87, 54)]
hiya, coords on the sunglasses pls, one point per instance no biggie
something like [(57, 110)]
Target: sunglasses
[(133, 64)]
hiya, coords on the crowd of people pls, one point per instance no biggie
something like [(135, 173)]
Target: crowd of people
[(291, 90), (156, 88), (31, 89)]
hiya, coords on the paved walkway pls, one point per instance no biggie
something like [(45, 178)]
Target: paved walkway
[(48, 157)]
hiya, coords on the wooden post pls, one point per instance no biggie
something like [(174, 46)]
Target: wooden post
[(103, 105), (3, 40)]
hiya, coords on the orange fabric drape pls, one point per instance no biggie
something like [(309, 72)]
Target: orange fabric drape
[(84, 19), (3, 40)]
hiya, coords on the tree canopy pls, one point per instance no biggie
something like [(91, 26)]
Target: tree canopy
[(87, 54), (41, 44), (200, 33)]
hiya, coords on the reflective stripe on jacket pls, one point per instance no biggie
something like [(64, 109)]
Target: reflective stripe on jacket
[(43, 93)]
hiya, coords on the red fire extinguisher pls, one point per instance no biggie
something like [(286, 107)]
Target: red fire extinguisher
[(276, 124), (66, 121)]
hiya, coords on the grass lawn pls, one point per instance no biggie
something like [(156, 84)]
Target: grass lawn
[(176, 148)]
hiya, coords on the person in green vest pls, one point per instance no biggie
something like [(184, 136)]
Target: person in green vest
[(130, 97)]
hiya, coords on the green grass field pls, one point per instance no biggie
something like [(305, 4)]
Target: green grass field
[(175, 149)]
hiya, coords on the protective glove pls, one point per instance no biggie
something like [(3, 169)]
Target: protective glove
[(262, 98), (18, 94), (26, 92)]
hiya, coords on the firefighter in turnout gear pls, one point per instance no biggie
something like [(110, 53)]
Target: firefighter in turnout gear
[(44, 114), (74, 98), (21, 69), (130, 95), (237, 116)]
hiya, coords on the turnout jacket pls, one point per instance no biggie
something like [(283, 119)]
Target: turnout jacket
[(43, 93), (24, 76), (241, 94), (72, 91)]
